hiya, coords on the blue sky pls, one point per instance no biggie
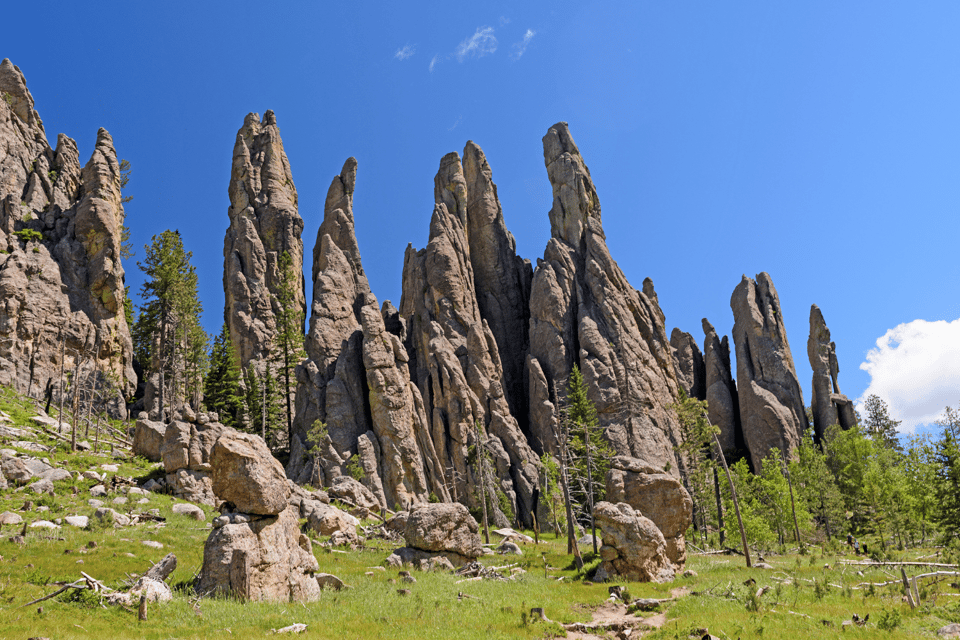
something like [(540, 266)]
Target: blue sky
[(819, 142)]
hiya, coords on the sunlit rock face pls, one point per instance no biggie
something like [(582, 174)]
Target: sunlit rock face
[(61, 280)]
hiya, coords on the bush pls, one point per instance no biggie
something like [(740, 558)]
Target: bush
[(28, 235)]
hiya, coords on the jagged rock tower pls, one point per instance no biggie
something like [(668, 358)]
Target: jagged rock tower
[(771, 403), (829, 405), (456, 358), (264, 223), (583, 311), (60, 270), (688, 363), (723, 401)]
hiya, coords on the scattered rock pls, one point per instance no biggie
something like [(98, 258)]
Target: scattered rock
[(189, 510), (329, 581), (98, 491), (81, 522), (8, 517), (949, 631), (153, 544), (43, 524), (105, 514)]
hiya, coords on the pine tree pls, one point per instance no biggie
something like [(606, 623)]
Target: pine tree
[(168, 330), (289, 350), (221, 388), (948, 474), (879, 425)]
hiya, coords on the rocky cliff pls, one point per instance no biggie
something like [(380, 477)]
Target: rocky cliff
[(264, 223), (583, 311), (772, 412), (828, 404), (61, 280)]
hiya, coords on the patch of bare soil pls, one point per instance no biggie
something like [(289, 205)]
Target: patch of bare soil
[(612, 619)]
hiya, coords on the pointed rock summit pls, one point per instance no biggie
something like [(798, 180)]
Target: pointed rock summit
[(723, 402), (60, 270), (771, 403), (264, 223), (829, 405), (584, 312), (688, 362)]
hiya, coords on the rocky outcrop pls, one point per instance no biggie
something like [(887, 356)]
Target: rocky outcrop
[(60, 273), (148, 439), (828, 404), (688, 363), (446, 530), (259, 558), (657, 496), (331, 384), (264, 223), (633, 547), (771, 403), (723, 403), (583, 311), (185, 452), (455, 358)]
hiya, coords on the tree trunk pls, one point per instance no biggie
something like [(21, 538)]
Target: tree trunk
[(716, 489), (593, 523), (793, 505), (733, 495), (483, 484)]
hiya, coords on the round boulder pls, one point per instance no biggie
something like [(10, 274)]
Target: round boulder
[(245, 473)]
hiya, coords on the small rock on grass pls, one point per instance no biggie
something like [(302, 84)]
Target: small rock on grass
[(189, 510), (294, 628)]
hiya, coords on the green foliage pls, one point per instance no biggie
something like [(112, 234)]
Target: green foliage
[(889, 619), (948, 477), (221, 387), (584, 432), (879, 425), (126, 246), (289, 350), (28, 235), (816, 488), (354, 469), (52, 174)]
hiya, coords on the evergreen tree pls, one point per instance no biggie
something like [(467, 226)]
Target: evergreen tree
[(948, 475), (168, 329), (221, 388), (879, 425), (289, 350), (816, 487)]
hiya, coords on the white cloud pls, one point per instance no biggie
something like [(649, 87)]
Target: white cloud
[(459, 120), (915, 369), (504, 21), (433, 62), (479, 44), (405, 52), (520, 48)]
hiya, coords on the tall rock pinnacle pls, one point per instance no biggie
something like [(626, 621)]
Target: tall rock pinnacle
[(60, 269), (723, 403), (829, 405), (771, 403), (264, 223), (455, 357), (583, 311)]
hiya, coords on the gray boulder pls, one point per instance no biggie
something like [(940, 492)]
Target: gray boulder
[(444, 528), (633, 546), (245, 473), (148, 439)]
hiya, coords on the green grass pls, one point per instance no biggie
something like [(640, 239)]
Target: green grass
[(801, 601)]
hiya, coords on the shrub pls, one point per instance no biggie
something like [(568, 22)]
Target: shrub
[(28, 235)]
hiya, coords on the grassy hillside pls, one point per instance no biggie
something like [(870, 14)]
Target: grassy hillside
[(805, 596)]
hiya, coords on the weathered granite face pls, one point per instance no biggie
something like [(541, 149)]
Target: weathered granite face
[(264, 223), (331, 384), (723, 401), (455, 358), (583, 311), (69, 281), (771, 403), (688, 363), (829, 405)]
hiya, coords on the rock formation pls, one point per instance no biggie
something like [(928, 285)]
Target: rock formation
[(583, 311), (657, 496), (723, 402), (438, 530), (829, 405), (633, 547), (256, 550), (771, 403), (185, 452), (455, 357), (60, 270), (263, 224), (688, 363)]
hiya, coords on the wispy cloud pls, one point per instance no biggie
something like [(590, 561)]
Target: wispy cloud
[(504, 21), (459, 120), (520, 48), (915, 369), (404, 52), (479, 44), (433, 62)]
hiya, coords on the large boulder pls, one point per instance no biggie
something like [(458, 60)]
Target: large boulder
[(658, 496), (186, 453), (633, 546), (353, 492), (148, 439), (326, 519), (246, 474), (445, 528), (259, 558)]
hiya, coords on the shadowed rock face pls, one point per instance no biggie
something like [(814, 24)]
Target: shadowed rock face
[(69, 282), (688, 362), (829, 405), (455, 358), (583, 311), (263, 224), (771, 404), (723, 401)]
